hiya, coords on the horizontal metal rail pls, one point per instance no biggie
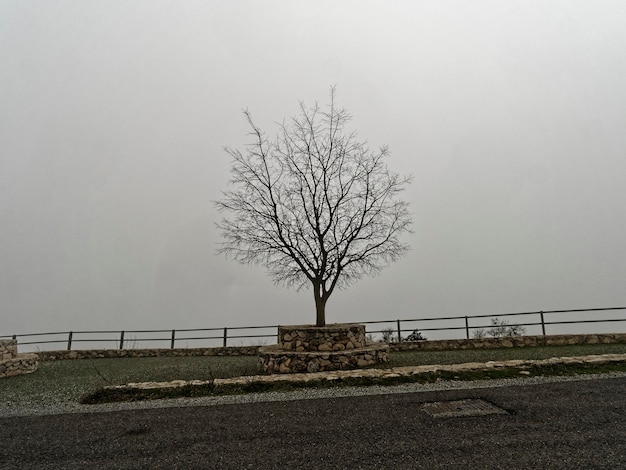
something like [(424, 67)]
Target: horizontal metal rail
[(393, 329)]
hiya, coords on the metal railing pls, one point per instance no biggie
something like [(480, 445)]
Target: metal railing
[(396, 327), (129, 339), (465, 325)]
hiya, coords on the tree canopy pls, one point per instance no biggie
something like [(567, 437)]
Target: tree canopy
[(314, 205)]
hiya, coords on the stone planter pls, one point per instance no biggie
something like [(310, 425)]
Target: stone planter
[(306, 348)]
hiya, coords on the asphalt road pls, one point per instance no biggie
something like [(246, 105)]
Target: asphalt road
[(563, 425)]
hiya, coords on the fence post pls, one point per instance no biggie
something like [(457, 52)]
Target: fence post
[(69, 341), (173, 339), (225, 335), (399, 332), (122, 339), (466, 327), (543, 324)]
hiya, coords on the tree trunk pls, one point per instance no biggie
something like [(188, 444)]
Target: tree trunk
[(320, 306)]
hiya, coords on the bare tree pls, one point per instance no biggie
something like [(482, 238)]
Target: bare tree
[(314, 206)]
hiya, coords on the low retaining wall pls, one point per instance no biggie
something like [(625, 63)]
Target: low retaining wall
[(510, 342), (178, 352), (12, 363), (8, 349), (276, 360), (309, 348), (431, 345), (338, 337), (22, 364)]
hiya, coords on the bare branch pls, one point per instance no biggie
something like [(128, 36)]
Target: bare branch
[(315, 206)]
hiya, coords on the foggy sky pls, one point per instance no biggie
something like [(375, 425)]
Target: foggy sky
[(510, 115)]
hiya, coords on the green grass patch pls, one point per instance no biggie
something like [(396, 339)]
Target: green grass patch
[(418, 357), (59, 382), (108, 395)]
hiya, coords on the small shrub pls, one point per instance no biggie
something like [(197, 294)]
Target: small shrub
[(389, 336), (479, 334), (499, 328), (131, 342), (416, 336)]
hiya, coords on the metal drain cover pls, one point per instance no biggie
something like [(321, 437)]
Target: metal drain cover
[(451, 409)]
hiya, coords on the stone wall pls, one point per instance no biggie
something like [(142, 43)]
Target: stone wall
[(309, 348), (22, 364), (276, 360), (431, 345), (329, 338), (510, 342), (177, 352), (8, 349), (12, 363)]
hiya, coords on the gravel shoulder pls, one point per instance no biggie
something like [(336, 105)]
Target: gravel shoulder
[(573, 422), (43, 408)]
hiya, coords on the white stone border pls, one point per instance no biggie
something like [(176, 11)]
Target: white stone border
[(521, 364)]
